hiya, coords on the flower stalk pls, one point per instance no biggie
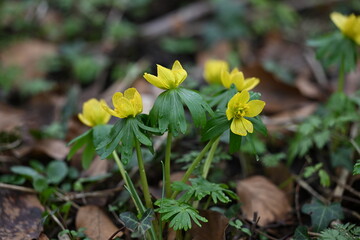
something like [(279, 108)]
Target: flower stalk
[(143, 178), (167, 165), (210, 158)]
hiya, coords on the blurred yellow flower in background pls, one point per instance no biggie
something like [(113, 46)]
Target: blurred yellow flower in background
[(126, 105), (236, 77), (167, 78), (93, 114), (213, 69), (348, 25), (240, 107)]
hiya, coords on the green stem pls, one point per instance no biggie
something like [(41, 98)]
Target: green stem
[(167, 165), (135, 197), (341, 81), (143, 178), (210, 158), (194, 165), (121, 167)]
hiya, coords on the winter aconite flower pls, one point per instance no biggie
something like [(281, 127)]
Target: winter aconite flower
[(240, 107), (93, 114), (167, 78), (213, 70), (126, 105), (237, 78), (348, 25)]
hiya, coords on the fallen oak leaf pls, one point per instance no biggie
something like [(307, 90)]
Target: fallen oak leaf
[(258, 195), (96, 223)]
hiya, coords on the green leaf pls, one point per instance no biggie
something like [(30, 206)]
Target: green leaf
[(139, 227), (322, 215), (356, 170), (88, 155), (100, 133), (168, 113), (324, 178), (235, 142), (341, 232), (40, 183), (258, 125), (78, 142), (108, 145), (301, 233), (26, 171), (179, 214), (56, 171), (201, 188), (196, 105), (138, 134), (310, 170), (216, 126)]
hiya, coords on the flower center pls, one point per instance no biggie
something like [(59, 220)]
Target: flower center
[(241, 111)]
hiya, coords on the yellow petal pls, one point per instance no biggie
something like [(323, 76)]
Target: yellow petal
[(116, 99), (230, 112), (166, 76), (180, 76), (247, 125), (107, 109), (135, 98), (177, 66), (238, 79), (225, 79), (157, 82), (250, 83), (238, 127), (126, 109), (254, 108), (242, 97), (85, 120), (338, 19), (213, 69)]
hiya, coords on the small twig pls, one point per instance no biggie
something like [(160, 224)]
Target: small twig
[(314, 234), (101, 193), (55, 218), (17, 188), (297, 204), (347, 187), (354, 213), (115, 233), (308, 188)]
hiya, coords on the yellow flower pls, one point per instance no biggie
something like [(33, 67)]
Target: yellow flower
[(93, 114), (238, 108), (167, 78), (213, 70), (348, 25), (236, 77), (126, 105)]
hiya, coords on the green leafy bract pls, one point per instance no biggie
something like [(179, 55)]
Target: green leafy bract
[(322, 215), (56, 171), (216, 126), (138, 226), (124, 132), (89, 140), (200, 188), (168, 110), (178, 213), (335, 48)]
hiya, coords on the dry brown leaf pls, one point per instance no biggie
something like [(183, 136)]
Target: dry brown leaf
[(54, 148), (97, 224), (10, 117), (27, 56), (20, 216), (277, 95), (214, 229), (43, 237), (258, 194)]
